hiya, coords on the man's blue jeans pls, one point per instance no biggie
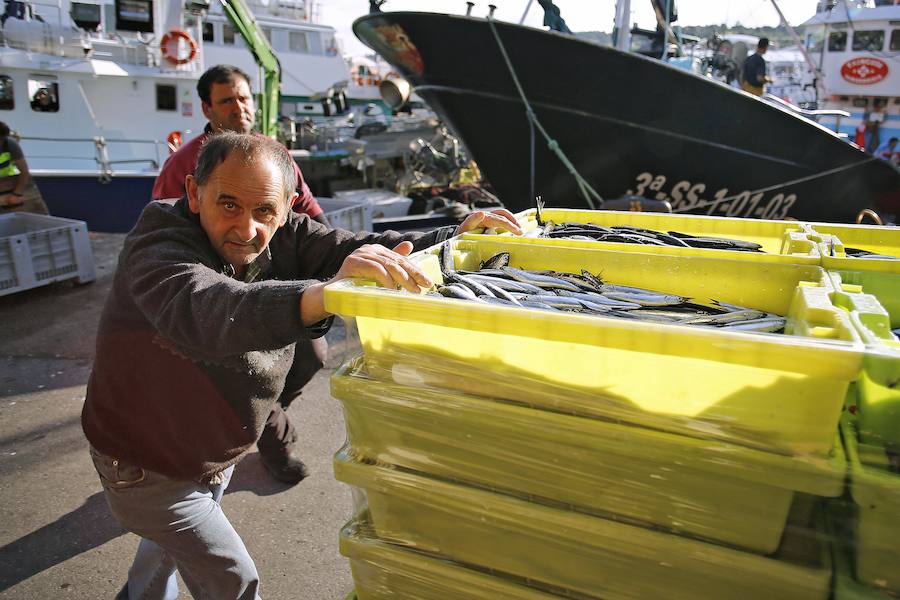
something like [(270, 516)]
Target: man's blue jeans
[(182, 527)]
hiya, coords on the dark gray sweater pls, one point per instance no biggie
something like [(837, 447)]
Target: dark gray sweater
[(190, 360)]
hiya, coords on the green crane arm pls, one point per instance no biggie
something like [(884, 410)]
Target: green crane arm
[(244, 22)]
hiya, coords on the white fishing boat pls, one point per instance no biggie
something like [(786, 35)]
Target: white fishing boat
[(855, 46)]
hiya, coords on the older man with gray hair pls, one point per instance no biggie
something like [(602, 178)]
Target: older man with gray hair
[(194, 345)]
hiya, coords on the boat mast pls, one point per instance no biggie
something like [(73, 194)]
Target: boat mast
[(525, 14), (820, 83), (622, 27)]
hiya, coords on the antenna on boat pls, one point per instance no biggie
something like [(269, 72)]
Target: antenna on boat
[(491, 8), (469, 7), (819, 80)]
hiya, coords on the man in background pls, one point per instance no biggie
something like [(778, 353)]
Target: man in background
[(887, 150), (753, 74), (228, 106), (18, 192)]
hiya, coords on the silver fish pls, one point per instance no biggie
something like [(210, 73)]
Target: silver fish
[(646, 299), (542, 281), (499, 292), (764, 325), (478, 288), (497, 261), (509, 285), (458, 291), (745, 315)]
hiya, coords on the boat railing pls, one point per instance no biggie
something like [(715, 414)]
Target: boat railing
[(813, 115), (101, 149)]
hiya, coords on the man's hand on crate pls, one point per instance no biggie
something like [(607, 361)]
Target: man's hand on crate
[(498, 219), (389, 268)]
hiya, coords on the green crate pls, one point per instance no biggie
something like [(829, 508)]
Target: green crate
[(879, 383), (840, 529), (706, 488), (876, 492), (591, 556), (382, 571)]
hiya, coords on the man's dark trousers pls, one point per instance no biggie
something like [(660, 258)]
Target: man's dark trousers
[(279, 435)]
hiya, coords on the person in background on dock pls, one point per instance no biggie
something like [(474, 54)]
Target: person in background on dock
[(194, 345), (228, 105), (18, 193), (753, 74), (888, 150)]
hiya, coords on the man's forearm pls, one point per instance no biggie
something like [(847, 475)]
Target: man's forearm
[(312, 304)]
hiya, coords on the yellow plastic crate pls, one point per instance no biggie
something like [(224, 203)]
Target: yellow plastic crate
[(783, 242), (876, 492), (878, 390), (720, 491), (595, 557), (382, 571), (778, 392), (832, 239), (839, 529)]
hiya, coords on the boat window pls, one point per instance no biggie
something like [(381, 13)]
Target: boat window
[(166, 97), (227, 33), (208, 35), (868, 41), (331, 47), (134, 15), (44, 95), (297, 41), (7, 102), (815, 41), (895, 40), (837, 41)]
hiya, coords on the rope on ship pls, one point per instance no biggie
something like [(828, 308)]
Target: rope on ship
[(712, 204), (590, 194)]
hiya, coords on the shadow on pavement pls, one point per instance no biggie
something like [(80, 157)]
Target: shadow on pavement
[(251, 476), (85, 528), (91, 525)]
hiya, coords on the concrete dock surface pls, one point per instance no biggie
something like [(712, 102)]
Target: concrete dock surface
[(58, 539)]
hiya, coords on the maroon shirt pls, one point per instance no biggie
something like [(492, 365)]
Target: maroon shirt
[(170, 182)]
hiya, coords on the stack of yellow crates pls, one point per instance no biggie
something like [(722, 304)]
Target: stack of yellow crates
[(503, 453)]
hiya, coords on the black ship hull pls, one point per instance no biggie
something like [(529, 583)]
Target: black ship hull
[(629, 124)]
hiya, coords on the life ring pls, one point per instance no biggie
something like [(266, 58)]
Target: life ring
[(169, 50), (174, 141)]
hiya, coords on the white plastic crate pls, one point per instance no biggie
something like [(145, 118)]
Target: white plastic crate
[(385, 204), (39, 249), (352, 215)]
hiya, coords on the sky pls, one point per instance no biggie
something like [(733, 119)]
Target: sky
[(580, 15)]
